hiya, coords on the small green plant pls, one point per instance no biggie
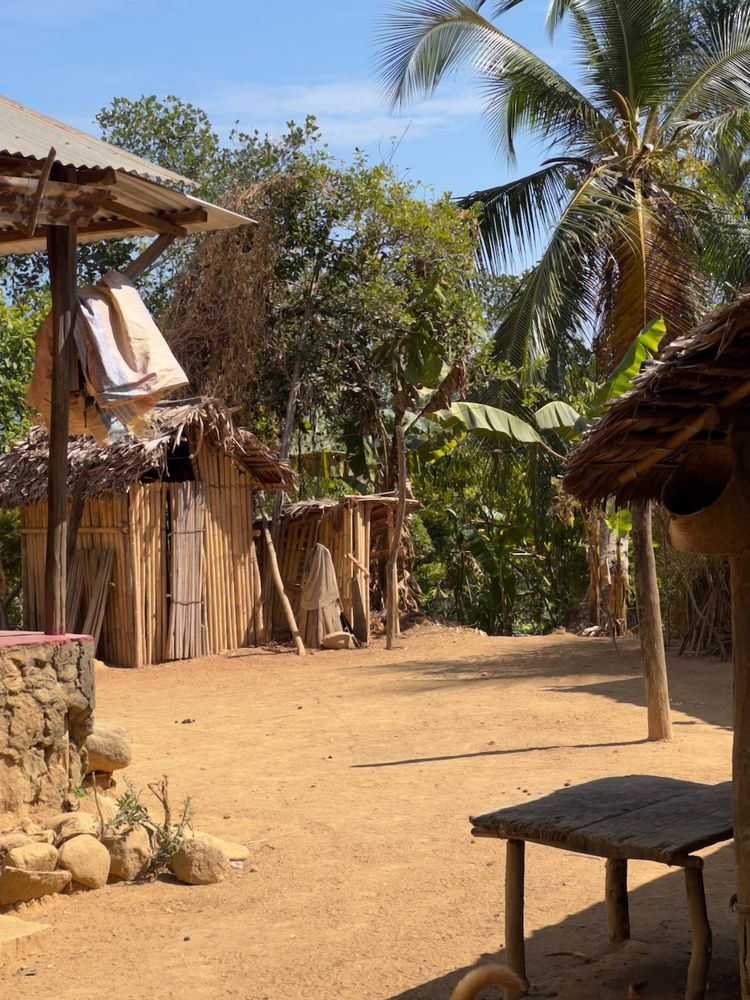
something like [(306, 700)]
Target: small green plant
[(130, 812)]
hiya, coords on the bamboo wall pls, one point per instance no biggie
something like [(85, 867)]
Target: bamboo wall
[(345, 531), (231, 581), (185, 577), (104, 525)]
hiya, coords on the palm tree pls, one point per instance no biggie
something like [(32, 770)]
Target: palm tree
[(616, 217)]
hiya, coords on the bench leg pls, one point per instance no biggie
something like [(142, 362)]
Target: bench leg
[(515, 951), (700, 930), (616, 896)]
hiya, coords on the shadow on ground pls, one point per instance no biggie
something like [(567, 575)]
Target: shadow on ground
[(571, 960)]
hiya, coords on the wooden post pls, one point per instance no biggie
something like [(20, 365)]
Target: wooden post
[(391, 572), (61, 260), (515, 949), (616, 896), (700, 931), (271, 555), (740, 567), (649, 618)]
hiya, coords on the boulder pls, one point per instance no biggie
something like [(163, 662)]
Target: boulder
[(197, 863), (19, 886), (337, 640), (74, 825), (10, 840), (107, 805), (108, 749), (33, 857), (230, 850), (129, 853), (87, 861)]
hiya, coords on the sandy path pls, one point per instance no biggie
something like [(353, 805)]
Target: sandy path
[(352, 776)]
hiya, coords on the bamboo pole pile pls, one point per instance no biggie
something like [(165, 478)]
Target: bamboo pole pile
[(92, 623)]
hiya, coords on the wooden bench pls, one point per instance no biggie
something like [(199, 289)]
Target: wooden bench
[(640, 817)]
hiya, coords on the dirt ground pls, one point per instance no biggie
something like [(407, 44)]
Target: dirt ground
[(351, 776)]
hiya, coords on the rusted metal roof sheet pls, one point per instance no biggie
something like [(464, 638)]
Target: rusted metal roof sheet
[(28, 133), (145, 197)]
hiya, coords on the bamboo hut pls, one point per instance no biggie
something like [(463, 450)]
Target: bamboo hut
[(165, 564), (357, 530), (682, 435)]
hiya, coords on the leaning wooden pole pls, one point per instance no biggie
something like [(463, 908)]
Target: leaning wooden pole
[(741, 757), (391, 574), (649, 621), (61, 256), (274, 564)]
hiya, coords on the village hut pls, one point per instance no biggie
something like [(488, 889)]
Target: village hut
[(682, 436), (165, 563), (358, 532)]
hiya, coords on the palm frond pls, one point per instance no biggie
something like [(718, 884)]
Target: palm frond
[(716, 81), (517, 216)]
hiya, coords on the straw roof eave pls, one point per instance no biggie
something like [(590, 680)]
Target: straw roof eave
[(114, 468), (693, 394)]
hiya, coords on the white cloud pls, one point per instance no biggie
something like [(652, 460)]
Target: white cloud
[(349, 112)]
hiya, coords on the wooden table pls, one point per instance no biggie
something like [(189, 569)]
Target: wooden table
[(638, 816)]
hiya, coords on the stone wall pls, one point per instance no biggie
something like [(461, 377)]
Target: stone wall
[(46, 706)]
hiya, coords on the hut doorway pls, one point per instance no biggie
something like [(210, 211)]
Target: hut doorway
[(185, 517)]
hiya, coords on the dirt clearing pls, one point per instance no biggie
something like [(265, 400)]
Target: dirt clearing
[(351, 776)]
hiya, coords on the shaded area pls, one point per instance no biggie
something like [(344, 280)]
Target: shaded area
[(571, 960), (501, 753)]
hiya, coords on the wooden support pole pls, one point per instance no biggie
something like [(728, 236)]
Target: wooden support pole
[(740, 568), (616, 897), (271, 556), (649, 620), (515, 948), (149, 257), (61, 257), (700, 930), (391, 573)]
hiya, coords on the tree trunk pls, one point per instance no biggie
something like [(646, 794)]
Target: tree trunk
[(649, 619), (391, 576)]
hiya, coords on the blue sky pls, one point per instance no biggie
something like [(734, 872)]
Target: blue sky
[(261, 63)]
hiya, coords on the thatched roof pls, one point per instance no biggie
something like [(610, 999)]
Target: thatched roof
[(115, 467), (691, 395), (304, 509)]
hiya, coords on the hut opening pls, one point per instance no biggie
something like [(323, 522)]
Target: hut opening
[(357, 531), (165, 565)]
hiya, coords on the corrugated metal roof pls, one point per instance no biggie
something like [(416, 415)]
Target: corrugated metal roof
[(145, 197), (24, 132)]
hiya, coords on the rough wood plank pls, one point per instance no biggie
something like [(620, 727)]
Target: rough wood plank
[(637, 816)]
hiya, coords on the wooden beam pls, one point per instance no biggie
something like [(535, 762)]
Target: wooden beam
[(156, 223), (148, 258), (102, 229), (36, 200), (61, 261)]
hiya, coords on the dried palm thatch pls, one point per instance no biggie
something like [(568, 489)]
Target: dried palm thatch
[(690, 396), (113, 468), (218, 320)]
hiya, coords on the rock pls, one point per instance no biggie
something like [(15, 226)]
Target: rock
[(129, 853), (87, 861), (33, 857), (197, 863), (108, 806), (10, 840), (230, 850), (337, 640), (74, 825), (108, 749), (19, 886)]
